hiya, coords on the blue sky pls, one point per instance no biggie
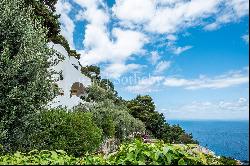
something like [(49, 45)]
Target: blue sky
[(191, 56)]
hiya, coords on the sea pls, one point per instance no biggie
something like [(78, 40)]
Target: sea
[(225, 138)]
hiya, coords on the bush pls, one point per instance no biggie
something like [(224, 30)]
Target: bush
[(39, 158), (113, 119), (228, 161), (100, 92), (73, 132), (139, 153), (135, 153)]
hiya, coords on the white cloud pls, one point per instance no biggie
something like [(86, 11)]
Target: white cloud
[(164, 16), (212, 26), (241, 7), (232, 11), (104, 47), (155, 57), (116, 70), (136, 11), (146, 85), (171, 19), (170, 16), (223, 81), (246, 38), (172, 37), (217, 110), (162, 66), (230, 79), (101, 49), (179, 50), (117, 35), (94, 11), (67, 24), (241, 105)]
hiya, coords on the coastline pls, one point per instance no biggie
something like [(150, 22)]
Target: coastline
[(225, 138)]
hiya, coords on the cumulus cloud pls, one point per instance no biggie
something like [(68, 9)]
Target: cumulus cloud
[(164, 16), (230, 79), (118, 34), (232, 11), (100, 48), (138, 11), (216, 110), (104, 47)]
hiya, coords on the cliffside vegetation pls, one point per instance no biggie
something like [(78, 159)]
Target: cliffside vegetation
[(26, 84), (135, 153), (27, 125)]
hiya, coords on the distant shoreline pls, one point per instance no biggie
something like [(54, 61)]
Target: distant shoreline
[(225, 138)]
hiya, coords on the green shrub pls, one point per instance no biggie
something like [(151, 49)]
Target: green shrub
[(228, 161), (96, 93), (139, 153), (135, 153), (113, 119), (74, 132), (39, 158)]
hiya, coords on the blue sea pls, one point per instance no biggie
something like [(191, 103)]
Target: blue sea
[(225, 138)]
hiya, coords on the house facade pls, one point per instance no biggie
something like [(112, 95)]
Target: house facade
[(70, 81)]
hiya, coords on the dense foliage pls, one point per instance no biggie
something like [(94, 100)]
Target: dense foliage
[(26, 87), (25, 84), (74, 132), (114, 120), (135, 153), (143, 108), (100, 92), (44, 10), (139, 153), (59, 39), (110, 113), (92, 72), (35, 157)]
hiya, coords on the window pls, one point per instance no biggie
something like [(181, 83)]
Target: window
[(77, 89)]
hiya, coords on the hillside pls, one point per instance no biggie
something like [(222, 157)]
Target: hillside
[(56, 111)]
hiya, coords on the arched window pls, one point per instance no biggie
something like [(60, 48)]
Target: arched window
[(77, 89)]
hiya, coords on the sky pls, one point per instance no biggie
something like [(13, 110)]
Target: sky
[(191, 56)]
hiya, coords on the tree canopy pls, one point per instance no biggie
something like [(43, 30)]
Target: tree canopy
[(26, 84), (143, 108)]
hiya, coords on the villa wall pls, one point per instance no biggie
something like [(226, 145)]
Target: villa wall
[(70, 78)]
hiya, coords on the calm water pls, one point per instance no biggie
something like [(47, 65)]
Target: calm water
[(224, 138)]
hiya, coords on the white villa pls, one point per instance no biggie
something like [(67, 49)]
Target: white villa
[(71, 82)]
